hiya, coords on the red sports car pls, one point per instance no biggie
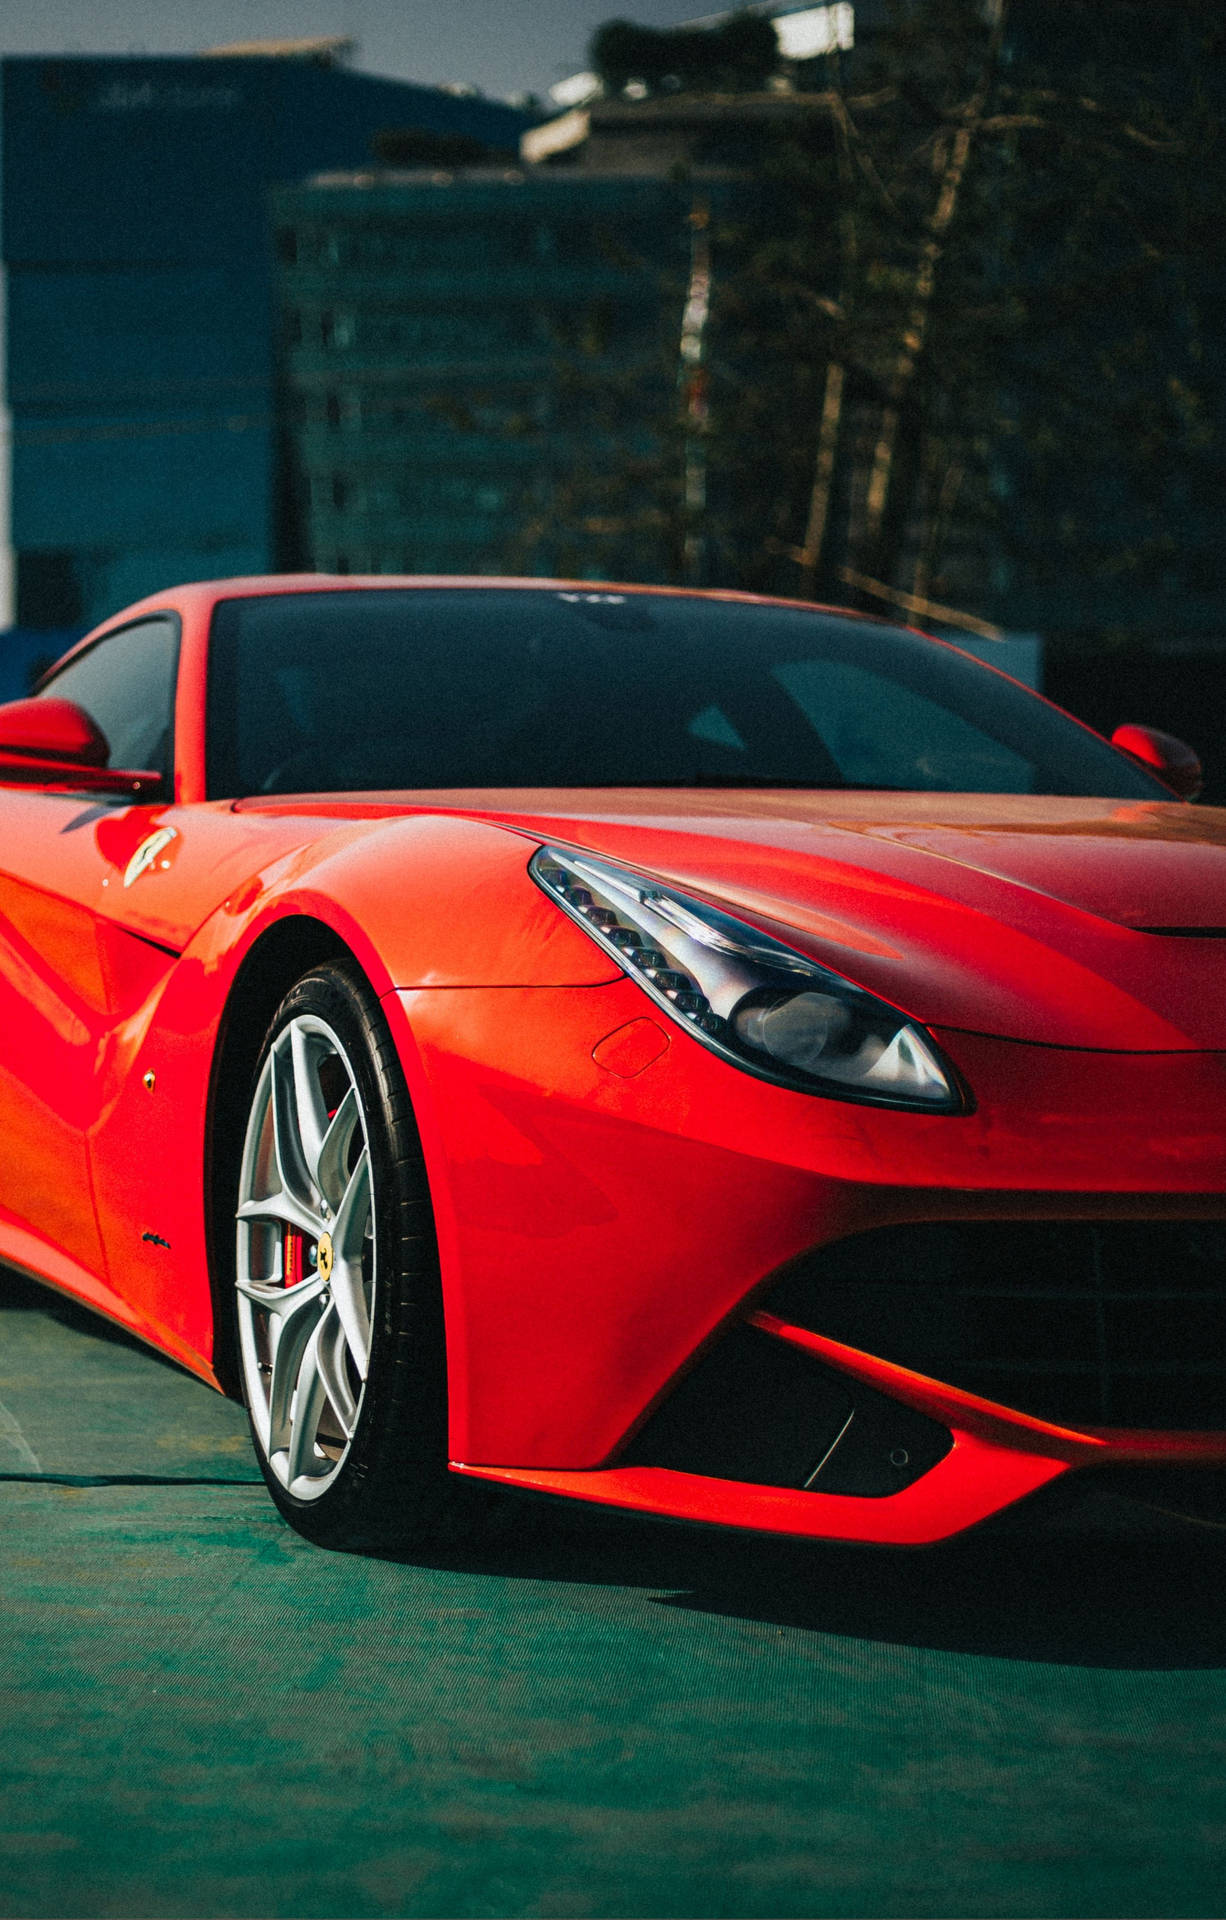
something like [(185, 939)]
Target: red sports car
[(725, 1058)]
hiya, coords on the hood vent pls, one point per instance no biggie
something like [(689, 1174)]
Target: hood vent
[(1186, 933)]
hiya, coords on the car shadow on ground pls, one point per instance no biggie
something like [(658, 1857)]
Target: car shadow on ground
[(1120, 1587), (1128, 1590), (20, 1294)]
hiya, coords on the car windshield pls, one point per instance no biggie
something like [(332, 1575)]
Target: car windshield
[(409, 688)]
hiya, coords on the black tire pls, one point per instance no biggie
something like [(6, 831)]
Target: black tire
[(374, 1475)]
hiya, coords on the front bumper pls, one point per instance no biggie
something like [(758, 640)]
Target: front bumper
[(611, 1199)]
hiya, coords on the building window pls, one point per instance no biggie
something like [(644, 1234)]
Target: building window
[(336, 330)]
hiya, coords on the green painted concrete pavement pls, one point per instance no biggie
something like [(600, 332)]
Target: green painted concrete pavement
[(202, 1715)]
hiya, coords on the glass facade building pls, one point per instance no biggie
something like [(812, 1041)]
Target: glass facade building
[(475, 368), (137, 417)]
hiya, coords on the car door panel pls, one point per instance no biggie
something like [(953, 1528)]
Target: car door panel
[(53, 1015)]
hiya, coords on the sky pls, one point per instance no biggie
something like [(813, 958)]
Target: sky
[(501, 46)]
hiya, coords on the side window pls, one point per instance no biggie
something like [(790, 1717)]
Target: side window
[(126, 684)]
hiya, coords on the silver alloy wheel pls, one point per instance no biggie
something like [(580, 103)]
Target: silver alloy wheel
[(306, 1256)]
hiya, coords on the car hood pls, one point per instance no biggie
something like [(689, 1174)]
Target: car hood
[(1071, 922), (1082, 923)]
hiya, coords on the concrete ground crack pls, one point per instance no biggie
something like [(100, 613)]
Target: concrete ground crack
[(11, 1435)]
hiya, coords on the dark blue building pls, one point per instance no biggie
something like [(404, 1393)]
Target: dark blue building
[(137, 428)]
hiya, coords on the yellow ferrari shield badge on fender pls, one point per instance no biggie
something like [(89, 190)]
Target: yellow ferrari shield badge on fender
[(146, 854)]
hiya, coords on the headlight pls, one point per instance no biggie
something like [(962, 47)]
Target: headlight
[(747, 996)]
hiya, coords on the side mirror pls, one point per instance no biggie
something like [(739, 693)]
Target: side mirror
[(1172, 760), (54, 743)]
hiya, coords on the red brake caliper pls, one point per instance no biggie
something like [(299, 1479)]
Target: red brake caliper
[(291, 1257)]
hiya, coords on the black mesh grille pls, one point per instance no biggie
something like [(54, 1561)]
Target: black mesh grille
[(1103, 1323)]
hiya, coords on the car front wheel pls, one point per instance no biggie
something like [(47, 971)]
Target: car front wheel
[(339, 1316)]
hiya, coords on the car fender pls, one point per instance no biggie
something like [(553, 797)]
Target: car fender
[(465, 913)]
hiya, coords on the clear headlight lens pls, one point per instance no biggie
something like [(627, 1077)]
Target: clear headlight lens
[(747, 996)]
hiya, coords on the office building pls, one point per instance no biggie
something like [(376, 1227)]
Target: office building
[(137, 420)]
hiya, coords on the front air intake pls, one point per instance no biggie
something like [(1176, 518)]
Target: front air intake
[(754, 1408)]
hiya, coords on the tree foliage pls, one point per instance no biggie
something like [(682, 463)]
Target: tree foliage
[(734, 57), (964, 347)]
